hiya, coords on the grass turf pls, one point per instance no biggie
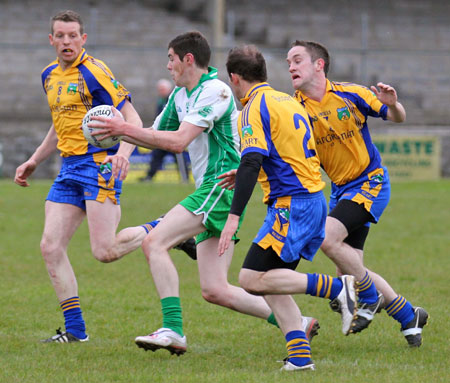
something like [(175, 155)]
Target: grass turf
[(409, 248)]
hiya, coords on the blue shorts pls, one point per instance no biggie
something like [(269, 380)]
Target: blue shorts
[(84, 178), (372, 190), (294, 226)]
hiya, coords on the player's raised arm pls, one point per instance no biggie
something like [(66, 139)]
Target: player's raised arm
[(388, 96)]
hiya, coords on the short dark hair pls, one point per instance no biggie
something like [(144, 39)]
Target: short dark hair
[(196, 44), (316, 51), (67, 17), (248, 62)]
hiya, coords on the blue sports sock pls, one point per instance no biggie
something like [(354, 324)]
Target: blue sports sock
[(299, 351), (324, 286), (401, 310), (152, 224), (74, 321), (367, 292)]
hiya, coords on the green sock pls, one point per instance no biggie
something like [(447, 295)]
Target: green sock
[(272, 320), (172, 318)]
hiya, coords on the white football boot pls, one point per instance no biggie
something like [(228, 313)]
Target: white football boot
[(163, 338)]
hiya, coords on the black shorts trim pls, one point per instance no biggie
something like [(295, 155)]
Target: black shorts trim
[(258, 259), (354, 217), (357, 238)]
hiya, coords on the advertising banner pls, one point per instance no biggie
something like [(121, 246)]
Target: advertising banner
[(410, 157)]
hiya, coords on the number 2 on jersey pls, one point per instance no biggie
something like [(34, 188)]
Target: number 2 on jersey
[(308, 152)]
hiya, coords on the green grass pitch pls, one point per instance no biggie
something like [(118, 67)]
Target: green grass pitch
[(410, 247)]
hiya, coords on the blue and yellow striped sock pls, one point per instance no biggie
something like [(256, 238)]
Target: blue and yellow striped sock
[(73, 316), (401, 310), (172, 318), (299, 351), (367, 292), (324, 286), (150, 225)]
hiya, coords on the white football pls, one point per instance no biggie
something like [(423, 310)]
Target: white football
[(103, 111)]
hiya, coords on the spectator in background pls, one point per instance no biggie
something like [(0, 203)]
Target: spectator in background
[(164, 88)]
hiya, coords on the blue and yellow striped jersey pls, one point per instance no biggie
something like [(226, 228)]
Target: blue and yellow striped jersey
[(71, 93), (340, 129), (274, 124)]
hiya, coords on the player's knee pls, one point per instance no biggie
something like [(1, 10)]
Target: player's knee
[(53, 254), (104, 250), (45, 248), (329, 246), (146, 247), (250, 282), (104, 258), (151, 246), (49, 249), (104, 255), (214, 294)]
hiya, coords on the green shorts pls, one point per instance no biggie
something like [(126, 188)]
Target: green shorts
[(214, 203)]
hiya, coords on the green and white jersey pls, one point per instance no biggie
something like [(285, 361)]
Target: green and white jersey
[(211, 106)]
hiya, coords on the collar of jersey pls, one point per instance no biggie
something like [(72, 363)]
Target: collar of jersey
[(81, 57), (253, 90), (211, 75), (300, 96)]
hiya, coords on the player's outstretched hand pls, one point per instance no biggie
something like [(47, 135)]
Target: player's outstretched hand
[(228, 179), (386, 94)]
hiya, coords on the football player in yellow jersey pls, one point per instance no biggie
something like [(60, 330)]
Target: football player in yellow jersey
[(278, 150), (360, 183), (74, 83)]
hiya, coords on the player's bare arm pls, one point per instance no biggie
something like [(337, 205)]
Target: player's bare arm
[(47, 147), (173, 141), (120, 163), (388, 96)]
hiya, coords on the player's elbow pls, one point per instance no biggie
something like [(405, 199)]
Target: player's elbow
[(397, 114), (399, 118), (177, 147)]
